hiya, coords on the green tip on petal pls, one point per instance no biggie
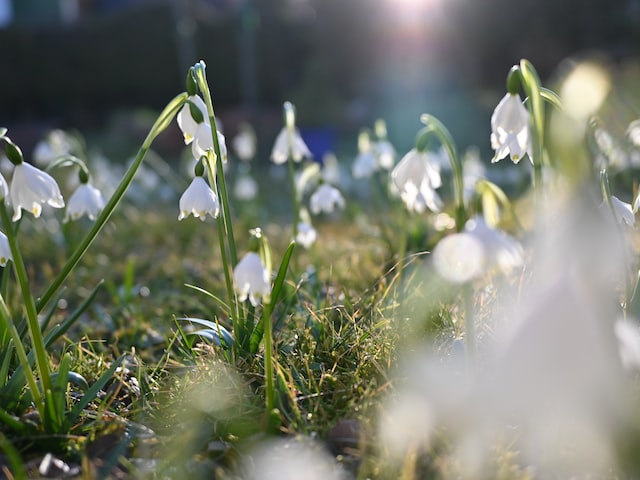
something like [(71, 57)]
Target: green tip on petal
[(514, 80)]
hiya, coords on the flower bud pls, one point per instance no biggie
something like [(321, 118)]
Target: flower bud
[(199, 169)]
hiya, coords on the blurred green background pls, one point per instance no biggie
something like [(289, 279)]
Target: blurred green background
[(344, 63)]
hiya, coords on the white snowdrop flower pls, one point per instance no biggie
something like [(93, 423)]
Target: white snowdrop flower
[(510, 129), (307, 235), (331, 169), (5, 250), (623, 211), (86, 200), (4, 189), (32, 187), (282, 145), (251, 279), (325, 199), (186, 122), (199, 200), (459, 257), (416, 178), (54, 145), (203, 142), (501, 250)]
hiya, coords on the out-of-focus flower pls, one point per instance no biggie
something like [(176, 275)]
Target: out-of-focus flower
[(245, 188), (416, 178), (289, 143), (5, 250), (199, 199), (307, 235), (478, 250), (331, 169), (365, 163), (54, 145), (623, 211), (244, 143), (385, 154), (32, 187), (510, 129), (473, 170), (325, 199), (251, 279), (628, 337), (86, 199)]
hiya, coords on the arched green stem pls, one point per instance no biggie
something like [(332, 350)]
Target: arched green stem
[(436, 127)]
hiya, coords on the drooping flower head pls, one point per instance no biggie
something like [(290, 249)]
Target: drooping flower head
[(199, 199), (86, 200), (417, 177), (251, 279), (365, 163), (510, 129), (384, 150), (289, 141), (325, 199), (31, 188), (193, 120), (244, 143)]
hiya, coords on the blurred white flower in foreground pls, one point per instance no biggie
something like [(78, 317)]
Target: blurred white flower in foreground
[(5, 250), (199, 200), (325, 199), (292, 459), (32, 187), (510, 130), (416, 177), (623, 211), (86, 200), (251, 279), (628, 336), (289, 141), (478, 250)]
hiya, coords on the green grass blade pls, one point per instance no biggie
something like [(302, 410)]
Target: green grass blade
[(94, 390)]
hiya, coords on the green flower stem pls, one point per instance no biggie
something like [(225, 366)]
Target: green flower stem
[(201, 79), (162, 122), (37, 341), (5, 317), (435, 126), (535, 105), (294, 195), (270, 393)]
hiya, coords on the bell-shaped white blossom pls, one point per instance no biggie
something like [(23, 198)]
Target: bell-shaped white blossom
[(30, 188), (4, 189), (203, 142), (289, 143), (186, 122), (199, 200), (86, 200), (54, 145), (251, 279), (510, 129), (5, 250), (501, 250), (245, 188), (307, 235), (416, 178), (623, 211), (325, 199)]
